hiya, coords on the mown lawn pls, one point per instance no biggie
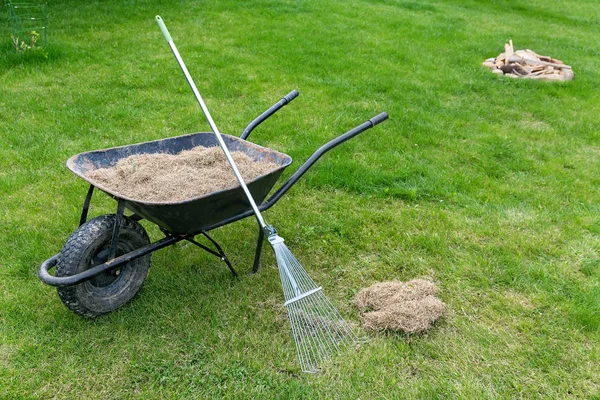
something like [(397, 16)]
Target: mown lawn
[(487, 186)]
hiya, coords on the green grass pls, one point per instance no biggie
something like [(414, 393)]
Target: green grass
[(487, 186)]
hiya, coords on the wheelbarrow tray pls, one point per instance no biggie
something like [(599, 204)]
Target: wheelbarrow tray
[(195, 214)]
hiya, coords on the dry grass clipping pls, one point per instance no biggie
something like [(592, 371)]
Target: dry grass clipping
[(168, 178), (399, 306)]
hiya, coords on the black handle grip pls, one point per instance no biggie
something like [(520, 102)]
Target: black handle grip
[(379, 118), (285, 100), (290, 96)]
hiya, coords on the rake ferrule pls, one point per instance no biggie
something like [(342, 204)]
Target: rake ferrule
[(269, 230)]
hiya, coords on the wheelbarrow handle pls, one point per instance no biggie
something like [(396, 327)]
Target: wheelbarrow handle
[(272, 110), (317, 154)]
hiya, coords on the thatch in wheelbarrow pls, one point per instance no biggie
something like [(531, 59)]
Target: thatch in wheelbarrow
[(170, 178)]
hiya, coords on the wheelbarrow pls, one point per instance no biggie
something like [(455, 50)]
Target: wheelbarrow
[(105, 261)]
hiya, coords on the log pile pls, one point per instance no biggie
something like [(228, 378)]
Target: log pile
[(528, 64)]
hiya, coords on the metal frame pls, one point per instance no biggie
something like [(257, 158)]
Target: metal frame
[(170, 239)]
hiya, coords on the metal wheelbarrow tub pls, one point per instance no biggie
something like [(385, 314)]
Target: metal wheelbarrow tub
[(195, 214)]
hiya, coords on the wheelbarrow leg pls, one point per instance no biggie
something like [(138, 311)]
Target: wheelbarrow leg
[(219, 253), (261, 236), (116, 229), (86, 205)]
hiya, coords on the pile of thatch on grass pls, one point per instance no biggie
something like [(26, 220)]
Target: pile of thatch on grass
[(528, 64), (410, 307), (167, 178)]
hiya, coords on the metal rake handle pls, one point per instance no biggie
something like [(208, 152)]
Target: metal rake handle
[(210, 121)]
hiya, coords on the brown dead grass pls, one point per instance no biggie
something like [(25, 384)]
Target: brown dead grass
[(409, 307), (168, 178)]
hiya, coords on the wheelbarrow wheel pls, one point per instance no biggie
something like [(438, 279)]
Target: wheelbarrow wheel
[(89, 246)]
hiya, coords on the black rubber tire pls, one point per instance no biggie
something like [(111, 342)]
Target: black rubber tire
[(87, 247)]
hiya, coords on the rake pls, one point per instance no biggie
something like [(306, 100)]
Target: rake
[(318, 328)]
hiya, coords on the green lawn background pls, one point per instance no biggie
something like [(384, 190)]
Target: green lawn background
[(487, 186)]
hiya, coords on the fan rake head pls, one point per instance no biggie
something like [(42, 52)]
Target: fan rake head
[(318, 328)]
